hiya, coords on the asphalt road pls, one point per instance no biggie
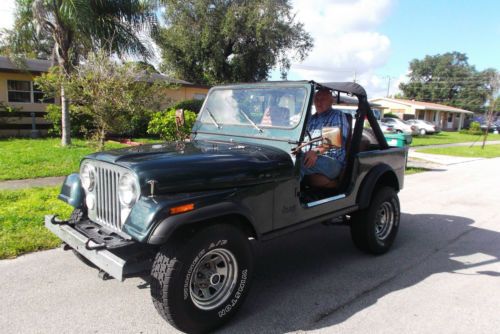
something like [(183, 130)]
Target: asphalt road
[(442, 275)]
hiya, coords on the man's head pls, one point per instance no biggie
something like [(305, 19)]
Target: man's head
[(323, 100)]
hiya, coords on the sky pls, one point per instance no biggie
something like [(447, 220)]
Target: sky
[(373, 41)]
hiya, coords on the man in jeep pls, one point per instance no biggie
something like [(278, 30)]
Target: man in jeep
[(324, 164)]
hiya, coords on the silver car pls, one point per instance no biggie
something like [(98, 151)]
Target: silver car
[(424, 127), (401, 126)]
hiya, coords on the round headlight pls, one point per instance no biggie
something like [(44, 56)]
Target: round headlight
[(127, 190), (87, 175)]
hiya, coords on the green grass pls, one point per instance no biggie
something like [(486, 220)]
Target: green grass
[(414, 170), (489, 151), (31, 158), (450, 138), (22, 217)]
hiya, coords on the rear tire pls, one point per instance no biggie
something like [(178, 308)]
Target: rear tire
[(198, 284), (423, 132), (374, 229)]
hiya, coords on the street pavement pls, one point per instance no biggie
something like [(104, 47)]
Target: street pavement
[(441, 276)]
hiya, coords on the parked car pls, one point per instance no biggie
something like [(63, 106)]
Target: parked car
[(493, 126), (424, 127), (386, 128), (189, 211), (401, 126)]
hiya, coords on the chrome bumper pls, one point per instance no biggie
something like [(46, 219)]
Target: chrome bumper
[(104, 259)]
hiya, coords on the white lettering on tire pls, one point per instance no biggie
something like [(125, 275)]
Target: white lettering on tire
[(225, 310)]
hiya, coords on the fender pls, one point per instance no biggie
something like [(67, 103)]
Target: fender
[(380, 173), (167, 226), (72, 191)]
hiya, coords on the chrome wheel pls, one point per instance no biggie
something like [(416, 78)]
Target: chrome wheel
[(384, 220), (213, 279)]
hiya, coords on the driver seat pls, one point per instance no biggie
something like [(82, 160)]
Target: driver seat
[(320, 181)]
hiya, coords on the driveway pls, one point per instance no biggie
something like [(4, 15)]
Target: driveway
[(442, 275)]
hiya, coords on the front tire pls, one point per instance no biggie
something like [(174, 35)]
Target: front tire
[(199, 283), (423, 132), (374, 229)]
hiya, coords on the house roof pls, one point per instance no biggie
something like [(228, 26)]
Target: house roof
[(423, 105), (31, 65)]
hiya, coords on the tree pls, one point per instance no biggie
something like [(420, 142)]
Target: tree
[(448, 79), (211, 42), (78, 26), (111, 93), (493, 78)]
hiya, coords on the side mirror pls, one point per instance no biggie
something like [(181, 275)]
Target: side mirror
[(331, 137)]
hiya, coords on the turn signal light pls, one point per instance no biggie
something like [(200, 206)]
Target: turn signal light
[(182, 208)]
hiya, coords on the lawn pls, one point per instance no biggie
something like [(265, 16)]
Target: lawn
[(21, 220), (489, 151), (450, 138), (31, 158)]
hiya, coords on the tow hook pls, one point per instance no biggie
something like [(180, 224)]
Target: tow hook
[(103, 275)]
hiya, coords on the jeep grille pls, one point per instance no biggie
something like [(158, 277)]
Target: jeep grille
[(107, 203), (107, 207)]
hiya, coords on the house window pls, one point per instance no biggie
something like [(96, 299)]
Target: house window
[(25, 92), (19, 91), (38, 95)]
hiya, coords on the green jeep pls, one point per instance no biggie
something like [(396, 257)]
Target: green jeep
[(188, 212)]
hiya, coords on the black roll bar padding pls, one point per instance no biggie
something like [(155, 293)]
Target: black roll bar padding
[(375, 126)]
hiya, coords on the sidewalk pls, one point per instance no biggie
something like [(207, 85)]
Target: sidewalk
[(30, 183), (439, 161)]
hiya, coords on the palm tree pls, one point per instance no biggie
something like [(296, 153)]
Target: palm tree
[(77, 26)]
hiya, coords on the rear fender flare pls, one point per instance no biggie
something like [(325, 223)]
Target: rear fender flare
[(380, 174)]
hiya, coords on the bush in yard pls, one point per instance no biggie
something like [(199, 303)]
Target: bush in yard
[(474, 129), (81, 122), (110, 92), (193, 105), (163, 124), (391, 115)]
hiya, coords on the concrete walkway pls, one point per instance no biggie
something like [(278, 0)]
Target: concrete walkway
[(29, 183), (415, 159), (438, 161)]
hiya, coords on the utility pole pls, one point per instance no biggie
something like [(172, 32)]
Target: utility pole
[(354, 76), (388, 85)]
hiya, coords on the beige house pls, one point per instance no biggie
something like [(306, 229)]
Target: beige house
[(18, 90), (446, 117)]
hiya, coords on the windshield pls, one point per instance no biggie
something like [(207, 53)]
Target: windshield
[(259, 108)]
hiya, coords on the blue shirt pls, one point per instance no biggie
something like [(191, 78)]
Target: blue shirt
[(330, 118)]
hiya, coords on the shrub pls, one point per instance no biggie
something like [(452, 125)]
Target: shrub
[(81, 122), (391, 115), (193, 105), (475, 128), (163, 124)]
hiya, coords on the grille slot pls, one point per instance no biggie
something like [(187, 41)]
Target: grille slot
[(107, 203)]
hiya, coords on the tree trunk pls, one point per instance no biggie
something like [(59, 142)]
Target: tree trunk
[(65, 121)]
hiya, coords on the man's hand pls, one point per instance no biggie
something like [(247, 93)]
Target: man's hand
[(310, 159)]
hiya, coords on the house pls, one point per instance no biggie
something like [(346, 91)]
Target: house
[(18, 90), (446, 117)]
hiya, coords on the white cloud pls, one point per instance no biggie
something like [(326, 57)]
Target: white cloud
[(346, 41), (7, 14)]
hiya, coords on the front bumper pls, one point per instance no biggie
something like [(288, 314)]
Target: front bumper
[(118, 262)]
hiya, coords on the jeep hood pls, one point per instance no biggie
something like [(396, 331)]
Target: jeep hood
[(201, 165)]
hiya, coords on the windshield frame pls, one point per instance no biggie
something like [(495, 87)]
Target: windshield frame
[(247, 130)]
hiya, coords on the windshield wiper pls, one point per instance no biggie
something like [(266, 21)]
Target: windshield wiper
[(213, 118), (248, 119)]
